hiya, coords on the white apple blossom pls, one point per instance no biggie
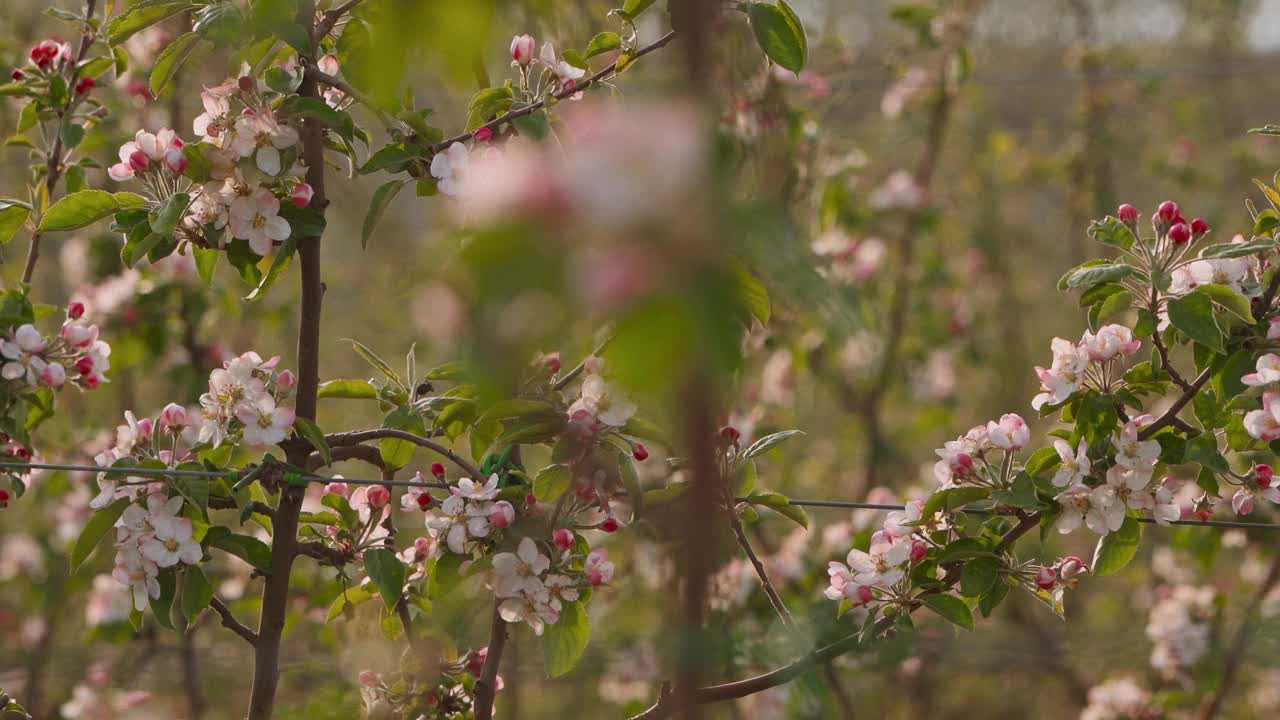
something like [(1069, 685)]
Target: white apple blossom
[(1064, 376), (604, 401), (1010, 433), (1075, 464), (1106, 509), (521, 571), (1133, 453), (449, 168), (264, 422), (1264, 424), (172, 543), (1268, 372), (138, 574), (256, 218), (882, 564), (1075, 504), (1109, 342), (564, 71), (262, 136)]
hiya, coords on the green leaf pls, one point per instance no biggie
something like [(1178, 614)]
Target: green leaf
[(387, 573), (279, 263), (1116, 549), (350, 597), (552, 482), (952, 608), (779, 33), (348, 390), (86, 207), (962, 549), (446, 575), (978, 576), (1096, 418), (141, 16), (767, 442), (309, 431), (1111, 231), (632, 8), (13, 215), (166, 218), (99, 524), (564, 642), (1233, 250), (952, 499), (603, 43), (373, 359), (170, 59), (247, 548), (197, 592), (488, 103), (206, 260), (397, 453), (779, 503), (1042, 461), (382, 198), (1192, 315), (392, 158), (162, 606), (1094, 274), (297, 106), (1231, 301)]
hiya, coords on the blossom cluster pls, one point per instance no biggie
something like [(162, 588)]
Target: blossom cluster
[(150, 536), (1074, 364), (1179, 627), (251, 155), (868, 578), (963, 460), (533, 587), (1120, 699), (468, 516), (75, 355)]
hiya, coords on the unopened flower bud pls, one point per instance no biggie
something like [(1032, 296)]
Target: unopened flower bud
[(75, 310), (1242, 502), (502, 514), (1071, 567), (730, 434), (301, 195), (340, 489), (918, 550), (369, 679), (1179, 234), (1046, 578), (522, 47), (1127, 214), (562, 538), (1262, 475), (640, 452), (17, 74), (84, 85), (245, 83), (1167, 211), (610, 525), (176, 161), (482, 134), (173, 416), (378, 496), (4, 499), (1199, 227)]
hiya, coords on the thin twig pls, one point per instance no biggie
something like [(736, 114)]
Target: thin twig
[(360, 436), (602, 75), (331, 18), (230, 622), (778, 605)]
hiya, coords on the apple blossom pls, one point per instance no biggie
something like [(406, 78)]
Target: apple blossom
[(264, 422), (1264, 424), (567, 73), (1064, 376), (256, 218), (563, 538), (1046, 578), (172, 542), (1075, 465), (522, 49), (338, 488), (598, 570), (1109, 342), (1075, 504), (1127, 214), (262, 137), (449, 167), (501, 514), (1010, 433), (1268, 371)]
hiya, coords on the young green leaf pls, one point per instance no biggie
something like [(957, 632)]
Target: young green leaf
[(86, 207), (99, 524), (387, 573), (952, 608), (779, 33), (563, 643), (1116, 549)]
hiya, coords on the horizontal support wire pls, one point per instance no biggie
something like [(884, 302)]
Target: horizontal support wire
[(311, 478)]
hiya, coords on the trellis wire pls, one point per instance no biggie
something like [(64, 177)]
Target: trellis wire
[(313, 478)]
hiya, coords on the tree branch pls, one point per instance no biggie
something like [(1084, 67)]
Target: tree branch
[(1171, 415), (605, 74), (331, 18), (665, 708), (230, 622), (356, 437), (780, 607), (324, 553), (366, 453), (1235, 654), (487, 683)]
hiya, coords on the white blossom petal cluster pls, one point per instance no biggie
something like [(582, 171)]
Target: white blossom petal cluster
[(1073, 362), (1179, 627)]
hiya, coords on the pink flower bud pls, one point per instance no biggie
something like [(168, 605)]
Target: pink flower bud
[(84, 365), (1072, 566), (424, 501), (861, 594), (610, 525), (369, 679), (502, 514), (475, 660), (378, 496), (1167, 211), (301, 195), (522, 47), (176, 161), (138, 160), (552, 362), (562, 538), (75, 310), (286, 380), (1262, 475), (1199, 227), (593, 365), (328, 64), (53, 375), (1127, 214), (4, 499), (145, 427), (730, 434), (340, 489), (173, 416), (1046, 578), (91, 381), (17, 74), (1179, 234), (1242, 502), (918, 550), (482, 134), (79, 336), (245, 83), (84, 85), (437, 469), (961, 464), (640, 452)]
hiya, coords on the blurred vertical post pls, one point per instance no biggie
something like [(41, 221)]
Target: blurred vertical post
[(700, 525)]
